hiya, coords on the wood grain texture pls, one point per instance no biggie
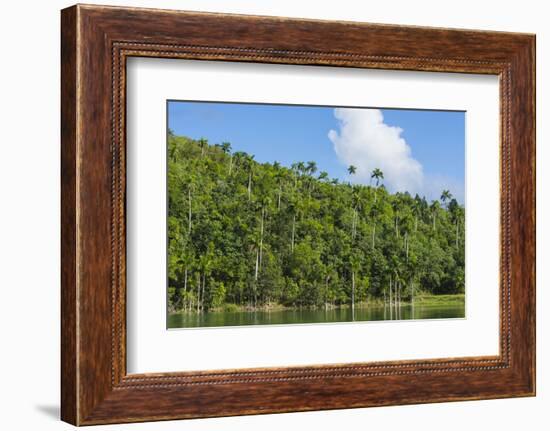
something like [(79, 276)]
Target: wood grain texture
[(69, 366), (96, 41)]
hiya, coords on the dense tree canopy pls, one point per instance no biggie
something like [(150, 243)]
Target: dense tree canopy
[(248, 234)]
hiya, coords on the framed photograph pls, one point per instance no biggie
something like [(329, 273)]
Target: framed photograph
[(265, 215)]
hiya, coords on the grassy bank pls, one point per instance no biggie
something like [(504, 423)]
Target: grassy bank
[(440, 299)]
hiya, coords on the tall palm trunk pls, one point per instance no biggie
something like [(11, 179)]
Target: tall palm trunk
[(412, 298), (293, 232), (185, 287), (261, 239), (327, 278), (249, 188), (198, 291), (396, 227), (354, 223), (203, 287), (189, 214), (398, 299), (256, 267), (391, 309), (352, 295)]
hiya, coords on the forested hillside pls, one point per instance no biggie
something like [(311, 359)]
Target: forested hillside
[(249, 235)]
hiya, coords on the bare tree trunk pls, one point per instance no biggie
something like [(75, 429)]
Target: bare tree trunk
[(415, 223), (230, 163), (373, 235), (249, 184)]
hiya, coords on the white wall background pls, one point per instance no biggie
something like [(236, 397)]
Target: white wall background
[(29, 215)]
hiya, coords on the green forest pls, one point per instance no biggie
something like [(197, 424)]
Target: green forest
[(244, 235)]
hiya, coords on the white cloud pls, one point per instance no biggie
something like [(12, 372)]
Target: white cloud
[(366, 142)]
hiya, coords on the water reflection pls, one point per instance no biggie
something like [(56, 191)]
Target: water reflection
[(284, 317)]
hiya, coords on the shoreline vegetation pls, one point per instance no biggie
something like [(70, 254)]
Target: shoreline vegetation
[(420, 301), (245, 236)]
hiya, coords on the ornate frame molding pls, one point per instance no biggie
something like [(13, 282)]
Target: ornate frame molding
[(96, 41)]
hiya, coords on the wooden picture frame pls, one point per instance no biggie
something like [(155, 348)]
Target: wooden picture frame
[(95, 43)]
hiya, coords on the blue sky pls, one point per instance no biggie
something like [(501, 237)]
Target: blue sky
[(418, 150)]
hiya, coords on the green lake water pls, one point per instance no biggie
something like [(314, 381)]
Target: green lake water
[(292, 317)]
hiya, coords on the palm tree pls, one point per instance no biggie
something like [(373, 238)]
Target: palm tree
[(354, 261), (396, 205), (435, 208), (294, 168), (378, 175), (279, 176), (355, 205), (249, 161), (309, 170), (265, 201), (297, 207), (457, 214), (352, 170), (374, 214), (323, 176), (301, 167), (203, 143), (239, 156), (293, 209), (354, 264), (417, 211), (446, 196), (311, 167), (189, 213), (226, 148)]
